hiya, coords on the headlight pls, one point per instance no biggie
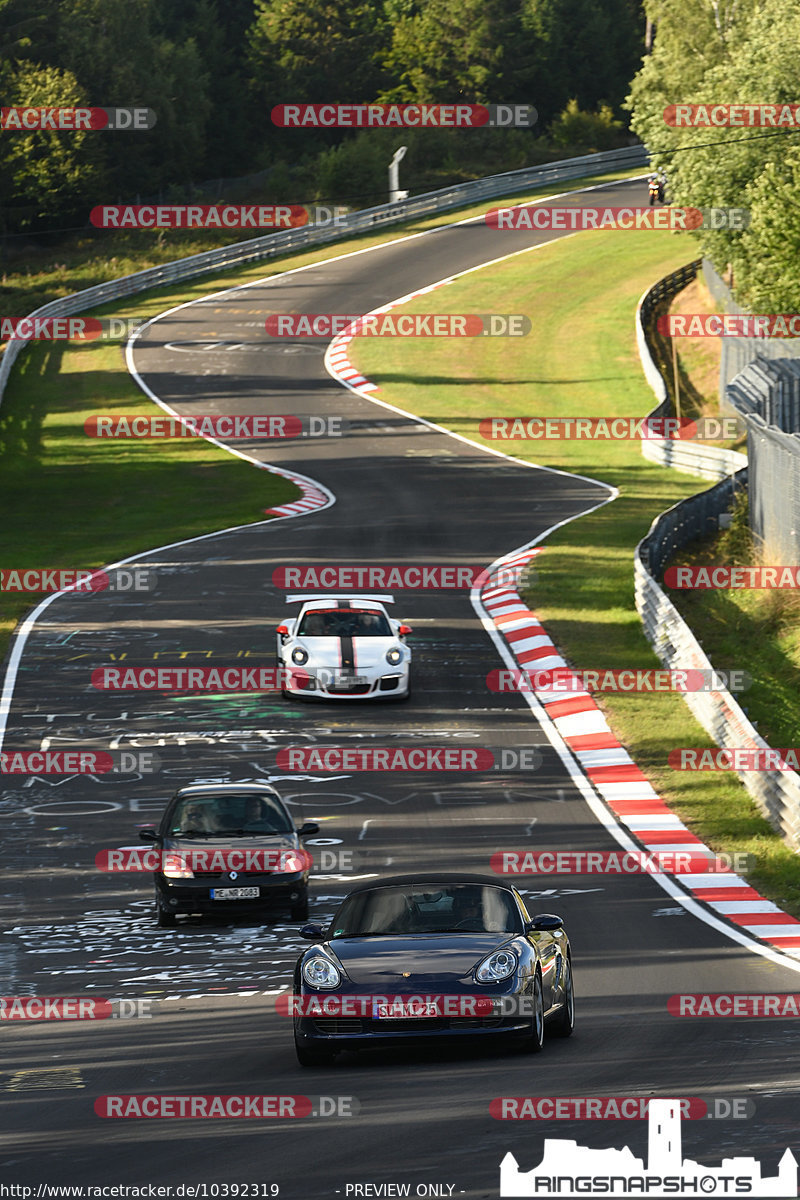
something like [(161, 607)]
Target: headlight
[(299, 656), (500, 965), (293, 861), (394, 656), (320, 972), (175, 867)]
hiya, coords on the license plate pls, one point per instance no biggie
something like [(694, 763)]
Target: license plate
[(350, 680), (251, 893), (402, 1011)]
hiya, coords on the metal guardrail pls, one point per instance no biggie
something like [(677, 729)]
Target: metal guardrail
[(777, 793), (691, 458), (365, 220)]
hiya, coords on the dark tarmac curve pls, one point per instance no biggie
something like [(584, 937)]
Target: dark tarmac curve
[(404, 494)]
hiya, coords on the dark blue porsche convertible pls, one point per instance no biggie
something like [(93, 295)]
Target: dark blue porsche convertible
[(415, 958)]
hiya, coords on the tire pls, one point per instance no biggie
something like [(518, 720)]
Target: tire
[(316, 1057), (164, 919), (534, 1043), (564, 1023)]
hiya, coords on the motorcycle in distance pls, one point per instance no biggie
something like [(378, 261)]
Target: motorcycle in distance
[(656, 184)]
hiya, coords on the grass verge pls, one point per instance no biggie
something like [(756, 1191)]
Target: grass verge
[(580, 360), (68, 501)]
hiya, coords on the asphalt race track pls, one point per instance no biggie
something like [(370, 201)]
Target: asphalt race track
[(404, 494)]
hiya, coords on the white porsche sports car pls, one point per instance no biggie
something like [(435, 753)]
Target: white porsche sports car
[(344, 647)]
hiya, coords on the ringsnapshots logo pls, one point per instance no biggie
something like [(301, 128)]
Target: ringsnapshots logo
[(35, 580), (228, 426), (570, 1170), (27, 119), (326, 325), (404, 116), (727, 116), (580, 219)]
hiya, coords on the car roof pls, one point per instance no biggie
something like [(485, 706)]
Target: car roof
[(440, 878), (226, 789)]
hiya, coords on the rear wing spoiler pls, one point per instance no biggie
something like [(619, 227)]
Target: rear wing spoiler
[(312, 596)]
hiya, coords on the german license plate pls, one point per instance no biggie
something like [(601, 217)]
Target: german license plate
[(250, 893), (343, 680), (401, 1011)]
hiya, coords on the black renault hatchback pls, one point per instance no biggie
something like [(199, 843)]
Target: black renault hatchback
[(230, 848)]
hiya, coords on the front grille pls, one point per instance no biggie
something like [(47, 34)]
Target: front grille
[(389, 685), (340, 1025), (361, 690)]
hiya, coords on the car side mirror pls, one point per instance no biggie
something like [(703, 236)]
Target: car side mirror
[(307, 829), (283, 631), (404, 629), (545, 923), (148, 835), (312, 932)]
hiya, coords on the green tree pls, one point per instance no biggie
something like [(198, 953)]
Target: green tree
[(44, 174), (749, 56)]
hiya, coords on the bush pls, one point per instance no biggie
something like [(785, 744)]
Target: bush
[(589, 132)]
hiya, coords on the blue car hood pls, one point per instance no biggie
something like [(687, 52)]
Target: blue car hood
[(380, 962)]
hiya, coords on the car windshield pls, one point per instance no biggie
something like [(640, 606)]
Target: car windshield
[(344, 622), (427, 908), (231, 815)]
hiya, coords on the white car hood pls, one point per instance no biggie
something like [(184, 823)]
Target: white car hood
[(326, 651)]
